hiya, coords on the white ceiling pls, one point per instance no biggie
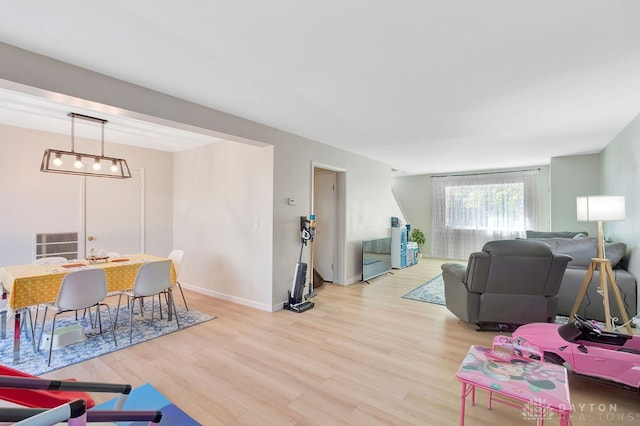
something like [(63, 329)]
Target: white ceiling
[(427, 86), (33, 111)]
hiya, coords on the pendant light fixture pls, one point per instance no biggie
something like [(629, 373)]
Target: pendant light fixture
[(77, 163)]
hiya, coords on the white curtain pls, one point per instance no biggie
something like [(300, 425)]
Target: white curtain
[(470, 210)]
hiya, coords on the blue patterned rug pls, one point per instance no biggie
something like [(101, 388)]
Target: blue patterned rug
[(96, 344), (432, 292)]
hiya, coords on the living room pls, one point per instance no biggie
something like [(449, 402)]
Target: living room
[(221, 227)]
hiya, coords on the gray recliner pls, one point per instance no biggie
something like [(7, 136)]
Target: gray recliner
[(509, 282)]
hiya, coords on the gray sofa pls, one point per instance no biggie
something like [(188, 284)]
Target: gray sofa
[(582, 250)]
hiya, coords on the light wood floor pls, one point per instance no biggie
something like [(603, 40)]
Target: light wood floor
[(362, 356)]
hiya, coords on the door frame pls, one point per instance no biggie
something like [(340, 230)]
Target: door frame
[(340, 270), (82, 243)]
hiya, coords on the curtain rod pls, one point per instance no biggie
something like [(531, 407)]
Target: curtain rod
[(487, 173)]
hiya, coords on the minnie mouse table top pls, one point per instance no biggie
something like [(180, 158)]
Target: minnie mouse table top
[(540, 387)]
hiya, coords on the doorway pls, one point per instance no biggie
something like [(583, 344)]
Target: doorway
[(328, 206)]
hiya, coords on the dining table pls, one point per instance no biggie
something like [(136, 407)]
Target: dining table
[(26, 286)]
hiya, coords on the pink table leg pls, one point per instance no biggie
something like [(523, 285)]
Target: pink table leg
[(564, 419), (463, 400), (467, 389)]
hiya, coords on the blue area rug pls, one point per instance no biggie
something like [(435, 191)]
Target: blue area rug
[(432, 292), (96, 344), (146, 397)]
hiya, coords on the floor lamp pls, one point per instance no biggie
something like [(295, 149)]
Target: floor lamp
[(600, 208)]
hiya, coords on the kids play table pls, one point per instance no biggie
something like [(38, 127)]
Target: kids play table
[(539, 389)]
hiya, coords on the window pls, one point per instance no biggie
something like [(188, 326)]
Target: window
[(469, 210), (493, 206)]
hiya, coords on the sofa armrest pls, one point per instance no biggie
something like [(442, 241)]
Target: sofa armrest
[(455, 270)]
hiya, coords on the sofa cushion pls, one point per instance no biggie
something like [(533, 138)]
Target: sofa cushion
[(562, 234), (582, 250)]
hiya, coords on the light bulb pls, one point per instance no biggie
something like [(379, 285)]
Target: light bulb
[(114, 167), (96, 164), (78, 163), (57, 161)]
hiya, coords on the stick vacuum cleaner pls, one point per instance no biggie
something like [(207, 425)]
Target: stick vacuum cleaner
[(296, 301)]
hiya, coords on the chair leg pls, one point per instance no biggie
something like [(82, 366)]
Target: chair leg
[(37, 312), (84, 315), (131, 319), (98, 317), (53, 327), (44, 318), (175, 312), (113, 331), (33, 330), (118, 310), (182, 293), (153, 307)]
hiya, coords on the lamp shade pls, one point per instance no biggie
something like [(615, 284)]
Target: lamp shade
[(595, 208)]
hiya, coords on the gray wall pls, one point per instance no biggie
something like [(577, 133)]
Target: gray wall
[(620, 175), (614, 171), (570, 177)]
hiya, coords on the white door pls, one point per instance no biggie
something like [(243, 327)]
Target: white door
[(324, 205), (114, 214)]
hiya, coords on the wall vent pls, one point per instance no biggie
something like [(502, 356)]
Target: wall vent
[(64, 244)]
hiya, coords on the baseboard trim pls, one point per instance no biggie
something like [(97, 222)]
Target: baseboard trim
[(230, 298)]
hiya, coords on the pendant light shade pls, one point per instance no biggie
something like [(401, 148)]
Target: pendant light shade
[(76, 163)]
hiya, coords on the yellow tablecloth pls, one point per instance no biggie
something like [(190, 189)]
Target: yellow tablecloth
[(30, 285)]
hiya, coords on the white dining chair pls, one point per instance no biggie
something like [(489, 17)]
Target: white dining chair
[(51, 260), (176, 258), (152, 279), (80, 290)]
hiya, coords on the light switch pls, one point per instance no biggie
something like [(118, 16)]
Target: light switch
[(291, 201)]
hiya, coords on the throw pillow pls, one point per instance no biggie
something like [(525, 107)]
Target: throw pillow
[(614, 252)]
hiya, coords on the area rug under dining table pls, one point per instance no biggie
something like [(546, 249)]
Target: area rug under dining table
[(144, 329)]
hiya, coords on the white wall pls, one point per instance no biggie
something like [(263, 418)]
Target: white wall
[(35, 202), (414, 195), (223, 209)]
